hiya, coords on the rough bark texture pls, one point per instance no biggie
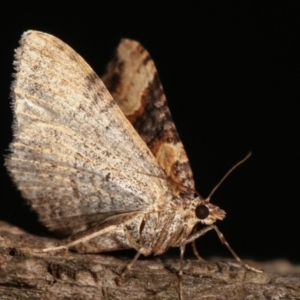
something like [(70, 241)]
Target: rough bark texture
[(26, 275)]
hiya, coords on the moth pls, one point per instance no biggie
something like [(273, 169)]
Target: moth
[(101, 160)]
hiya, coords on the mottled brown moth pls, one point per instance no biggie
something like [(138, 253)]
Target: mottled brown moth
[(101, 160)]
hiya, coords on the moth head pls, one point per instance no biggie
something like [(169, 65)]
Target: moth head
[(208, 213)]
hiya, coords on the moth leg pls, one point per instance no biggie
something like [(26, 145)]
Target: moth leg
[(44, 250), (196, 253), (68, 245), (223, 240), (139, 252), (129, 266), (182, 245), (182, 249), (195, 235)]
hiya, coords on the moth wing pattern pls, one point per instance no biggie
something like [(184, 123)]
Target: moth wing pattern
[(132, 79), (60, 156)]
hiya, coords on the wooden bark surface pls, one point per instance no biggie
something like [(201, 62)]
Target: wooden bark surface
[(60, 275)]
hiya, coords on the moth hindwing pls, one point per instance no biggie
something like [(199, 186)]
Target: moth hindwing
[(105, 167)]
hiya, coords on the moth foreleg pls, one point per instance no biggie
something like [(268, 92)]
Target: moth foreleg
[(197, 234), (223, 240)]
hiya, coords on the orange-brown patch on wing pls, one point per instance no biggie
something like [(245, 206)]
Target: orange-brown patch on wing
[(128, 76)]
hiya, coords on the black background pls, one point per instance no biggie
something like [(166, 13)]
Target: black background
[(231, 75)]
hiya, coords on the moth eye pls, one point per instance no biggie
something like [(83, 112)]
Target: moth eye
[(202, 212)]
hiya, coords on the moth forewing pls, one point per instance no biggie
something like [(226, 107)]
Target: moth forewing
[(75, 157)]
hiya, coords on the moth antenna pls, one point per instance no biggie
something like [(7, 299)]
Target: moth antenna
[(227, 174)]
